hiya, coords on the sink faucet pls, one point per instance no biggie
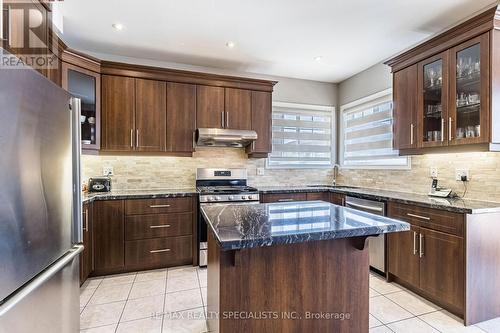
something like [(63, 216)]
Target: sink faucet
[(336, 168)]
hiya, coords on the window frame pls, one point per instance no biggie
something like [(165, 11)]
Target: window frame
[(333, 135), (370, 101)]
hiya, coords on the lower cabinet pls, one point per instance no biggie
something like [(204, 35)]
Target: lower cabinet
[(335, 198), (142, 234), (87, 255), (427, 260)]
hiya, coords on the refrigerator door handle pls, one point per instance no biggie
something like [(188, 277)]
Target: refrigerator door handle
[(77, 225), (40, 279)]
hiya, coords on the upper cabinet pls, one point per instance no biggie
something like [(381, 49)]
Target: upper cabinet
[(455, 106), (219, 107), (181, 117), (85, 85), (261, 123)]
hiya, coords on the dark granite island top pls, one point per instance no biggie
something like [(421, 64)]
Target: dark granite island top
[(256, 225)]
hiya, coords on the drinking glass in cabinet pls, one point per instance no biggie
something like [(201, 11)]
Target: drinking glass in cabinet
[(433, 109)]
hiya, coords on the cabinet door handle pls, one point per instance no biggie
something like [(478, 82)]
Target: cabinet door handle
[(159, 251), (159, 206), (137, 138), (414, 243), (411, 133), (222, 119), (285, 200), (421, 245), (131, 138), (450, 137), (227, 119), (419, 216), (442, 129), (159, 226), (86, 212)]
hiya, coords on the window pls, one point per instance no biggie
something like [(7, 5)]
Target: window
[(302, 136), (366, 134)]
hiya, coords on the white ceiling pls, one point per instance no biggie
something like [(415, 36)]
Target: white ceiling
[(274, 37)]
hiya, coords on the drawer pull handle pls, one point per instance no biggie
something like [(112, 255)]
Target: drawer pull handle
[(160, 226), (159, 251), (285, 200), (419, 216), (159, 206)]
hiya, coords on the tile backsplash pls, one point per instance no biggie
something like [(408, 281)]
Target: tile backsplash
[(142, 172), (484, 173)]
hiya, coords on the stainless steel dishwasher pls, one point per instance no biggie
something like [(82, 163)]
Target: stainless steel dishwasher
[(376, 244)]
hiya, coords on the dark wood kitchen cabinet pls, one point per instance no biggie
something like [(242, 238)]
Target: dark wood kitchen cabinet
[(87, 256), (150, 114), (457, 80), (109, 236), (261, 123), (181, 116), (118, 104), (210, 111), (283, 197), (405, 94), (238, 108), (429, 258)]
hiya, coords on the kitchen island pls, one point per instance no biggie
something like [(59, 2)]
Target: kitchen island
[(289, 267)]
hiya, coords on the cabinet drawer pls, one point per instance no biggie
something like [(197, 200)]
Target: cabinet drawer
[(158, 206), (158, 252), (337, 199), (440, 220), (284, 197), (323, 196), (158, 225)]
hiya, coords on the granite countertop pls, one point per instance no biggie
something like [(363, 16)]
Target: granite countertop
[(259, 225), (457, 205), (138, 194)]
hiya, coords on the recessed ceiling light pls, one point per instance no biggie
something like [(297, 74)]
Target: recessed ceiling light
[(230, 44), (117, 26), (318, 58)]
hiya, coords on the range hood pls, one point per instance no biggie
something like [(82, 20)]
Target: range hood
[(216, 137)]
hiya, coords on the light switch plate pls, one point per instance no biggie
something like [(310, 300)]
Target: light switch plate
[(260, 171), (107, 170), (434, 172)]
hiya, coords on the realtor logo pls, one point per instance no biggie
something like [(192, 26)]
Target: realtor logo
[(25, 34)]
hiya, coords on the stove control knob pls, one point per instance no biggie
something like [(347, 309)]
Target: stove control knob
[(231, 198), (243, 197), (210, 198), (217, 198)]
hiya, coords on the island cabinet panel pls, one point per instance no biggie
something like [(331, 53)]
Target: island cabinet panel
[(283, 197), (405, 107), (108, 235), (118, 114), (442, 266), (264, 280), (238, 108), (261, 123), (210, 107), (429, 259), (181, 116), (150, 113), (87, 256)]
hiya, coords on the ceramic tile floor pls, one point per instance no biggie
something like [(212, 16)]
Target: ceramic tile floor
[(174, 300)]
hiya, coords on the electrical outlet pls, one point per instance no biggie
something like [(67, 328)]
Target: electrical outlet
[(260, 171), (434, 172), (462, 173), (107, 170)]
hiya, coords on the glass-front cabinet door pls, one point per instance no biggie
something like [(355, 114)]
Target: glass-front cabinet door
[(433, 100), (85, 85), (468, 121)]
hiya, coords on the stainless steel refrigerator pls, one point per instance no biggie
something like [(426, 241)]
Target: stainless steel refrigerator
[(40, 205)]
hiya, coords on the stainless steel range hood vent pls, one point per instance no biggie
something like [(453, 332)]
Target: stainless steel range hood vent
[(216, 137)]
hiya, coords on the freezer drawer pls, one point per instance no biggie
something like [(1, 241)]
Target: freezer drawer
[(49, 303)]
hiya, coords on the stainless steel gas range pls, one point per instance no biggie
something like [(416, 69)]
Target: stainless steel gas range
[(220, 186)]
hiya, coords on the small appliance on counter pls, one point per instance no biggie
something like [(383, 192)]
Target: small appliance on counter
[(439, 192), (100, 184)]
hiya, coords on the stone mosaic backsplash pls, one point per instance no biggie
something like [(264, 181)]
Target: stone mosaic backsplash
[(155, 172)]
